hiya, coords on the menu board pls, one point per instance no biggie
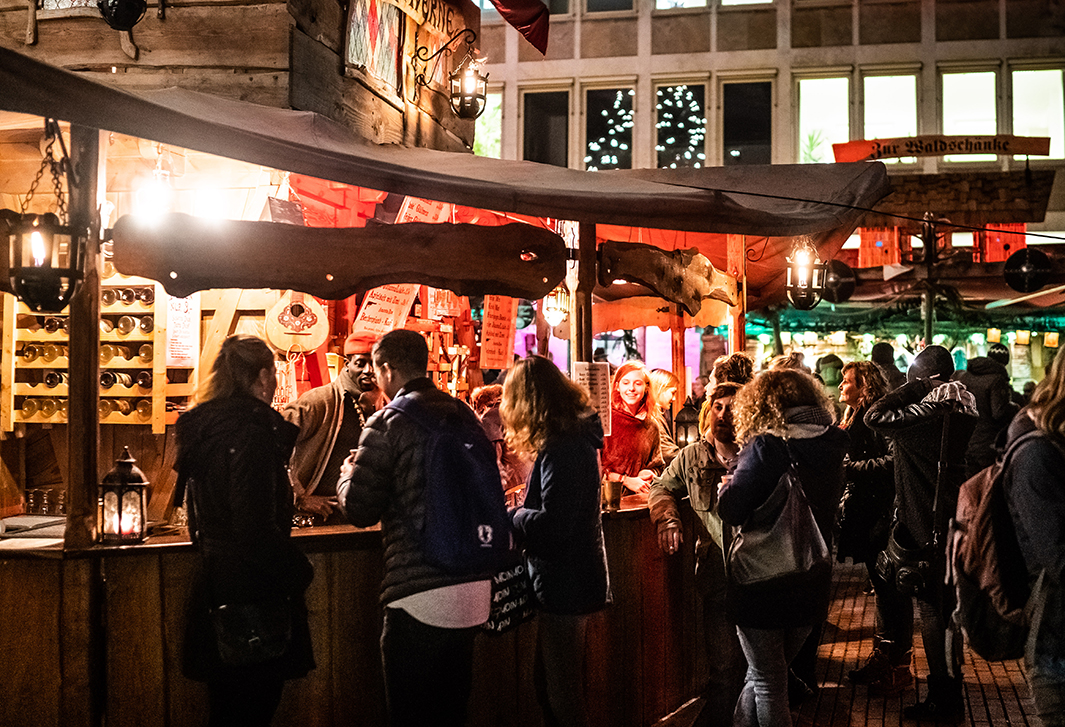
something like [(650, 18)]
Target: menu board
[(595, 377), (384, 309), (183, 331), (497, 331)]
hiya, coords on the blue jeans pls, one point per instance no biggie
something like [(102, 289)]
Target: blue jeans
[(428, 671), (764, 699)]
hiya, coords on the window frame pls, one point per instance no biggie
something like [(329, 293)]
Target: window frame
[(555, 86), (1008, 71), (809, 74), (914, 70), (703, 80), (945, 69), (771, 76), (607, 84)]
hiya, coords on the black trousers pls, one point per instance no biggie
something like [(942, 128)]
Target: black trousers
[(243, 701), (428, 671)]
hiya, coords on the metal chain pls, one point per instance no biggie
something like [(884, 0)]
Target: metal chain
[(56, 166)]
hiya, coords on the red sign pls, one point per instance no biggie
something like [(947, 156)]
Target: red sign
[(934, 146)]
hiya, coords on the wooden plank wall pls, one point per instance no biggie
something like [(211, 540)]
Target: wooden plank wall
[(643, 654)]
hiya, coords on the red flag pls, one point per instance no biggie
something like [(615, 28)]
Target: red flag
[(529, 17)]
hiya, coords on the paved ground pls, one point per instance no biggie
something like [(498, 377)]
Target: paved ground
[(996, 693)]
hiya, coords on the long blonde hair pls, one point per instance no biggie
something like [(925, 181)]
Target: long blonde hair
[(1048, 400), (236, 368), (661, 381), (760, 407), (539, 402)]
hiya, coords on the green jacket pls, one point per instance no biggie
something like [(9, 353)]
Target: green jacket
[(695, 474)]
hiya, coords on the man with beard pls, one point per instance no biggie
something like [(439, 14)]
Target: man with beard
[(331, 418), (697, 473)]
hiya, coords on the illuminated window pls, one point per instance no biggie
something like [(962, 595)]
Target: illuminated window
[(969, 109), (824, 118), (608, 128), (681, 126), (747, 123), (1038, 107), (546, 128), (488, 136), (890, 109)]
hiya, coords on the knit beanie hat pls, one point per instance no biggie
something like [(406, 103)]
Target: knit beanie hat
[(998, 352), (359, 343), (935, 362)]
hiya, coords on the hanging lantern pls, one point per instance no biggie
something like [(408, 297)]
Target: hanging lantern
[(555, 306), (686, 425), (469, 87), (123, 503), (806, 276), (44, 252)]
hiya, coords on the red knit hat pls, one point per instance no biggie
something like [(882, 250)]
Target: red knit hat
[(359, 343)]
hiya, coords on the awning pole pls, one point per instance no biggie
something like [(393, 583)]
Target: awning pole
[(581, 319)]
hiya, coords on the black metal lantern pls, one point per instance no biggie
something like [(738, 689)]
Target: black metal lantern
[(44, 252), (122, 14), (806, 276), (123, 503), (686, 425), (468, 84)]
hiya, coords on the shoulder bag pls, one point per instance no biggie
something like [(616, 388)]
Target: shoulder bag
[(780, 543), (513, 602)]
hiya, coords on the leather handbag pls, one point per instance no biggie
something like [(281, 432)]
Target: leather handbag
[(780, 543), (251, 633)]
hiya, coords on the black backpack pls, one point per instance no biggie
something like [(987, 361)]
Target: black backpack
[(467, 526), (987, 567)]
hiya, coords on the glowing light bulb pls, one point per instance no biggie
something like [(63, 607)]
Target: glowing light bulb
[(37, 248)]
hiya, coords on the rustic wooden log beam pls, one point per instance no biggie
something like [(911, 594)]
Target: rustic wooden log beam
[(187, 254), (684, 277)]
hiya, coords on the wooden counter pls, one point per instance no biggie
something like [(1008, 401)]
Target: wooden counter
[(644, 654)]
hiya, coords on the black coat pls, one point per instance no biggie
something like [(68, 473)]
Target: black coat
[(869, 496), (232, 455), (989, 383), (560, 525), (915, 430)]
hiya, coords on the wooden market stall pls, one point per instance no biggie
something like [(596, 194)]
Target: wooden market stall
[(93, 632)]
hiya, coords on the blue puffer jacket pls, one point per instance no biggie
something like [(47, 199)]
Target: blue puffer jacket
[(560, 527)]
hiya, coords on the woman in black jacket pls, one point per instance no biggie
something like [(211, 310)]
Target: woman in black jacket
[(781, 417), (559, 525), (232, 452)]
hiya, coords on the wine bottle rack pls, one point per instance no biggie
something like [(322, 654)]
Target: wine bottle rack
[(132, 346)]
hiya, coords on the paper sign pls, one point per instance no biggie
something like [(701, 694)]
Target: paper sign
[(414, 209), (384, 309), (595, 377), (183, 331), (443, 303), (497, 331)]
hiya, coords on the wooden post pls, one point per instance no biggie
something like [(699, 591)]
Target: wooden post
[(581, 313), (83, 426), (676, 335), (737, 268)]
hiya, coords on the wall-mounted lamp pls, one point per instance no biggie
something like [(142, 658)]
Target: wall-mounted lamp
[(555, 305), (44, 251), (468, 84), (806, 276)]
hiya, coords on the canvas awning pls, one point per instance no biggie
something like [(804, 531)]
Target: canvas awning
[(781, 201)]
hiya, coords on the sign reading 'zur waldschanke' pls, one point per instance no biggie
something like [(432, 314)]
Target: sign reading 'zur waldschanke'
[(933, 146)]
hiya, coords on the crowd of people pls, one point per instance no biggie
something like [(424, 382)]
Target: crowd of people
[(880, 455)]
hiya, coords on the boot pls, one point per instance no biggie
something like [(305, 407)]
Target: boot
[(877, 667), (944, 703)]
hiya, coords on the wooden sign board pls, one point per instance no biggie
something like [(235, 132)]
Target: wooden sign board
[(384, 309), (497, 331), (595, 377), (934, 146)]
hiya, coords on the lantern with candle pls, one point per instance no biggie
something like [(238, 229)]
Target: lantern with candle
[(123, 503)]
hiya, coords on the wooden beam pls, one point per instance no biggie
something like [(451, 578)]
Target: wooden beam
[(221, 325), (581, 315), (83, 426)]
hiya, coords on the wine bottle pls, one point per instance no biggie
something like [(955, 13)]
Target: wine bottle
[(107, 379), (146, 352), (123, 351), (29, 408), (53, 379), (107, 352), (51, 352), (125, 324), (29, 352), (127, 295), (109, 269), (52, 324), (108, 297), (144, 408), (146, 295), (104, 407), (122, 406), (146, 324), (144, 379), (48, 407), (106, 325)]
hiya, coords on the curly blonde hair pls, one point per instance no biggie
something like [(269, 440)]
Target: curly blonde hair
[(539, 402), (1048, 400), (760, 406)]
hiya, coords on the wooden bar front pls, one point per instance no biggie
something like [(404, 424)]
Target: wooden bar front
[(644, 655)]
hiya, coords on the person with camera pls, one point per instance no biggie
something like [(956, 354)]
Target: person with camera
[(929, 421)]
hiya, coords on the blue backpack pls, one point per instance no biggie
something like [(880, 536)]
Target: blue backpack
[(467, 526)]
